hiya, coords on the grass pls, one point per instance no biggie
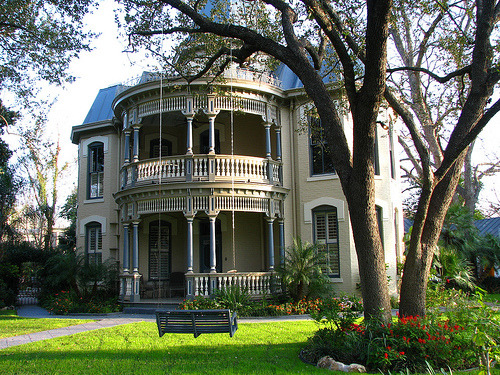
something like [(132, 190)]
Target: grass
[(493, 298), (260, 348), (13, 325)]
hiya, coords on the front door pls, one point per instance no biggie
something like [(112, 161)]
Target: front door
[(205, 246)]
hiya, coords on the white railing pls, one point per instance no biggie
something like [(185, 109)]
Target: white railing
[(177, 169), (254, 283), (232, 73)]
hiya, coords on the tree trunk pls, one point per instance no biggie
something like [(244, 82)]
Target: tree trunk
[(421, 250)]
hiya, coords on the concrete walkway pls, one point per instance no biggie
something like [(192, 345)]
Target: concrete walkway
[(102, 321)]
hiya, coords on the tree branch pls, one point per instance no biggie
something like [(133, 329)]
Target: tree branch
[(452, 153), (457, 73)]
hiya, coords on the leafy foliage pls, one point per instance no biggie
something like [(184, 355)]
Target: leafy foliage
[(302, 270), (38, 39)]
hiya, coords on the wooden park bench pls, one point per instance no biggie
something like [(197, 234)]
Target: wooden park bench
[(196, 321)]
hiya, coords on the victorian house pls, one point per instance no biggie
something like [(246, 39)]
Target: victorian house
[(196, 187)]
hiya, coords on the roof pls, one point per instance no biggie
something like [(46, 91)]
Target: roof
[(484, 226), (102, 108), (489, 226)]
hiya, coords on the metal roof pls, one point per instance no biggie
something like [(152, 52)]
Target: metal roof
[(102, 107), (491, 226), (484, 226)]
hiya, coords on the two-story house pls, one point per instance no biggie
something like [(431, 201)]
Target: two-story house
[(213, 181)]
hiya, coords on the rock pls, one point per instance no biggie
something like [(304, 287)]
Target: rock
[(331, 364)]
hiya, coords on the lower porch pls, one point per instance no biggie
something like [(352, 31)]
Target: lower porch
[(256, 284)]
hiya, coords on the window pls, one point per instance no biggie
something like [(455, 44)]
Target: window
[(321, 162), (327, 236), (380, 223), (159, 250), (96, 170), (93, 245), (391, 153), (154, 148), (376, 160)]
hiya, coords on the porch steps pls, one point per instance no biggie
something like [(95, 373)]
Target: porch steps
[(149, 307)]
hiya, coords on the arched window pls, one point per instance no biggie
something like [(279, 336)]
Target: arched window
[(159, 250), (154, 148), (93, 243), (96, 170), (326, 235)]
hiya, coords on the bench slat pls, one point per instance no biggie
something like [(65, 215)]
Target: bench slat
[(196, 321)]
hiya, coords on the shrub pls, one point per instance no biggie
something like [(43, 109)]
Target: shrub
[(199, 303), (67, 302), (301, 274), (233, 298), (456, 337)]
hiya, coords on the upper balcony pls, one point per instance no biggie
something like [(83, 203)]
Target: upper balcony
[(202, 168)]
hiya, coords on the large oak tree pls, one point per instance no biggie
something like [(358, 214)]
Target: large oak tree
[(349, 39)]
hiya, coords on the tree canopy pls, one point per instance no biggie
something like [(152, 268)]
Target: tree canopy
[(38, 39), (350, 40)]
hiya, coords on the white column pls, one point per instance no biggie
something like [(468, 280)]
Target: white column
[(189, 142), (213, 256), (211, 134), (190, 220)]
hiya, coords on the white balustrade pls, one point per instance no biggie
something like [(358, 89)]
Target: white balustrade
[(240, 169), (255, 284)]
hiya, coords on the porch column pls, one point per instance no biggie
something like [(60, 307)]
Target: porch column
[(281, 223), (135, 157), (127, 147), (211, 134), (213, 257), (189, 142), (190, 220), (278, 143), (270, 245), (267, 126), (136, 276), (135, 246), (126, 249)]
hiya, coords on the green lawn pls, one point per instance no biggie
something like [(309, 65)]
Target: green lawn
[(260, 348), (13, 325)]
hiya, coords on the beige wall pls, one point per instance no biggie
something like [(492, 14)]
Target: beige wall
[(102, 209)]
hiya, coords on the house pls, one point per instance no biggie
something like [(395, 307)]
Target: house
[(214, 181)]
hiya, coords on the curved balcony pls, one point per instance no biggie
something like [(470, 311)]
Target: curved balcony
[(202, 168)]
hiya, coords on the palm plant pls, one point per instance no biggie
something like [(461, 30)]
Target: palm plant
[(454, 270), (302, 268)]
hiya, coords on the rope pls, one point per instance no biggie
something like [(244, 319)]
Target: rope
[(232, 144), (159, 259)]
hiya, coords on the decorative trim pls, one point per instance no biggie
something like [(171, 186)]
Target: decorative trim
[(324, 201), (101, 138), (99, 219)]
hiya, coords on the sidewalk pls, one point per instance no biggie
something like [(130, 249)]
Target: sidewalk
[(102, 321)]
